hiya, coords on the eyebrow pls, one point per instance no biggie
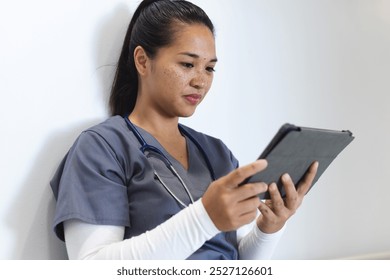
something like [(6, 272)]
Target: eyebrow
[(193, 55)]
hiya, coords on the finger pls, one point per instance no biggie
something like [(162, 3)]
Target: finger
[(248, 217), (268, 202), (248, 206), (266, 211), (250, 190), (276, 199), (305, 184), (292, 195), (237, 176)]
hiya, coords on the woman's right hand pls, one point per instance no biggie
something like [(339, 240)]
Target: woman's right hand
[(231, 206)]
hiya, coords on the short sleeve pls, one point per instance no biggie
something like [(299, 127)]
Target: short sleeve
[(90, 185)]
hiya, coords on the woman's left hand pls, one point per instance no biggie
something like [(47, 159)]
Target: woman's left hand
[(276, 211)]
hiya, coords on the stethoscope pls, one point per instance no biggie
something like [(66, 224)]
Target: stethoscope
[(145, 147)]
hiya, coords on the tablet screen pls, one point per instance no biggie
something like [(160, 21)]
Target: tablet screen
[(293, 149)]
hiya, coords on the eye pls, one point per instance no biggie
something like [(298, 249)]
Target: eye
[(210, 69), (187, 65)]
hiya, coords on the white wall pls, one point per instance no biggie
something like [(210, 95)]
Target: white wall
[(321, 63)]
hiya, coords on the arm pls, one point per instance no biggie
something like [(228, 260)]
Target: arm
[(230, 206), (261, 241), (277, 210), (187, 230), (224, 207), (88, 241), (253, 244)]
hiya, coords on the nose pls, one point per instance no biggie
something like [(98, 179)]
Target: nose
[(199, 81)]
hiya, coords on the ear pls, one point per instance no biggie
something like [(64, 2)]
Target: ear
[(141, 60)]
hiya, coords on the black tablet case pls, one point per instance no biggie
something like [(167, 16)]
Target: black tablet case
[(293, 149)]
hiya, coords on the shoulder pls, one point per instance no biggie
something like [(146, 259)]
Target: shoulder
[(112, 132), (104, 142), (99, 147), (112, 127)]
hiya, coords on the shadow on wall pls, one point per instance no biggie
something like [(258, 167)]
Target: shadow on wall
[(31, 215), (109, 37)]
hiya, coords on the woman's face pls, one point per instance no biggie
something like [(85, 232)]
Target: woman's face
[(181, 74)]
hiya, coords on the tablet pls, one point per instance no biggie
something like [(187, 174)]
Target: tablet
[(293, 149)]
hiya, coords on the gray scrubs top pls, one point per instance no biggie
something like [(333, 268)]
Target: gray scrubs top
[(106, 179)]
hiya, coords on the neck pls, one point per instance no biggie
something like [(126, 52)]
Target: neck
[(165, 129), (156, 125)]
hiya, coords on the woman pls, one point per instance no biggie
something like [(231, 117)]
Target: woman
[(141, 186)]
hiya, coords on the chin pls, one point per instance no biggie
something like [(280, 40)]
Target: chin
[(186, 114)]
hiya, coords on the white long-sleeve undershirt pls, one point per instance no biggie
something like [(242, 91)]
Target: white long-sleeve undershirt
[(177, 238)]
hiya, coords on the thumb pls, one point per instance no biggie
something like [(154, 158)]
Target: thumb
[(236, 177)]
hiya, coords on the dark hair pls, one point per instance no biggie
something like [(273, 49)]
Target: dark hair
[(151, 27)]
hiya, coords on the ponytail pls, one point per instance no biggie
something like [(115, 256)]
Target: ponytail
[(150, 27), (125, 85)]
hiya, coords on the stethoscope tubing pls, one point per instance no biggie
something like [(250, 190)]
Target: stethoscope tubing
[(145, 147)]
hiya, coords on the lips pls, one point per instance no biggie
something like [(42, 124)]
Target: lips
[(193, 99)]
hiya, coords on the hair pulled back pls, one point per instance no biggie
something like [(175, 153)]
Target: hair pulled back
[(151, 27)]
